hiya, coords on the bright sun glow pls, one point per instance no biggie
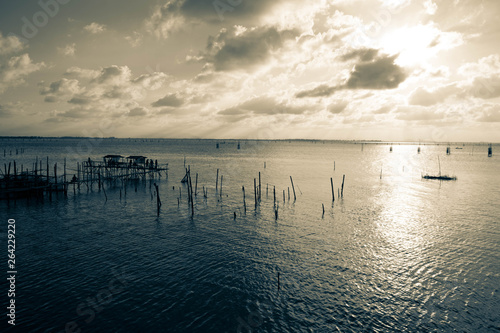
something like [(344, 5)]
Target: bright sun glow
[(417, 45)]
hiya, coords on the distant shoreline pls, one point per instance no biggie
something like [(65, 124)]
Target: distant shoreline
[(262, 140)]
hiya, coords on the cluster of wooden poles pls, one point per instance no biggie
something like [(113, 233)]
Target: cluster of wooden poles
[(18, 151)]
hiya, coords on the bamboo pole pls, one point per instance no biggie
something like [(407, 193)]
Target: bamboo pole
[(293, 188)]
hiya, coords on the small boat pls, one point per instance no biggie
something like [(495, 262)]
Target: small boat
[(439, 176), (458, 148)]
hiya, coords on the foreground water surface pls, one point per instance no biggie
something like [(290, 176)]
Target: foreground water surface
[(396, 253)]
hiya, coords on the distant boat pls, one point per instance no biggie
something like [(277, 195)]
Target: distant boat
[(439, 176), (458, 148)]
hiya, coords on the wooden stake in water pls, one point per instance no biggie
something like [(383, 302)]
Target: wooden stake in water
[(196, 185), (221, 177), (191, 193), (217, 182), (274, 195), (342, 192), (244, 201), (293, 188), (323, 205), (260, 189), (255, 191), (333, 192), (158, 201)]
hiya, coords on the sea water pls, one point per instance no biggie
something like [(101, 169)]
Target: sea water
[(396, 253)]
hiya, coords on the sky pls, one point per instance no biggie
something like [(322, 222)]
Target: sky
[(392, 70)]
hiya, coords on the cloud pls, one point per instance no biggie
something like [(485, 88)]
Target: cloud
[(10, 44), (484, 66), (62, 87), (15, 70), (68, 50), (110, 90), (430, 7), (50, 99), (81, 73), (483, 77), (489, 113), (235, 49), (373, 71), (422, 96), (80, 100), (135, 39), (361, 54), (264, 105), (173, 15), (320, 91), (114, 75), (78, 112), (165, 19), (338, 107), (138, 112), (417, 113), (4, 112), (169, 100), (381, 73), (152, 81), (95, 28)]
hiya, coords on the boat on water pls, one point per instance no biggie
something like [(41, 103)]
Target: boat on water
[(439, 176)]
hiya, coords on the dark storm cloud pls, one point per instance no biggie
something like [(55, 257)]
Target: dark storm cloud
[(228, 51), (169, 100), (376, 73)]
